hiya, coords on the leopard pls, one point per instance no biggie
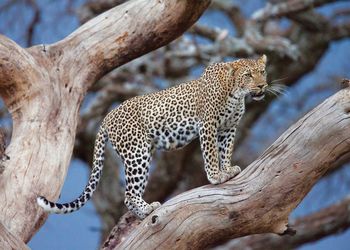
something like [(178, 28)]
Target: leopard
[(209, 107)]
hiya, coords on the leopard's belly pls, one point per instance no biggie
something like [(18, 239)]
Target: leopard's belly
[(174, 135)]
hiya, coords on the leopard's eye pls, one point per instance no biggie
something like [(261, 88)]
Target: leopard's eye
[(247, 74), (263, 72)]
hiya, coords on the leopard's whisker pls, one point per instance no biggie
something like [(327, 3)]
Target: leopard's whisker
[(279, 79), (272, 92), (277, 89), (280, 87)]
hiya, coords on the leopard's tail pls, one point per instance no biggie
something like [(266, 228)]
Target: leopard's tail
[(95, 176)]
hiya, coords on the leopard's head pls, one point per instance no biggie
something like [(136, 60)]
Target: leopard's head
[(249, 77)]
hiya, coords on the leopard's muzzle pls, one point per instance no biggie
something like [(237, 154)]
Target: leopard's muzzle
[(258, 96)]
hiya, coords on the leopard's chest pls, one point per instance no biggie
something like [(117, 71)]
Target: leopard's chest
[(232, 112)]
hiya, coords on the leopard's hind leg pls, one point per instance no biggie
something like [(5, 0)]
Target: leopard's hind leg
[(137, 157)]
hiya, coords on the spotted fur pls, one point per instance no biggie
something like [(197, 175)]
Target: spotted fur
[(209, 108)]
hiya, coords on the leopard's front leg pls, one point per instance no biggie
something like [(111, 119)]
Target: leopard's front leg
[(209, 146), (226, 145)]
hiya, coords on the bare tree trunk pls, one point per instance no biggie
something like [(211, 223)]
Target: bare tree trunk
[(260, 199), (43, 87)]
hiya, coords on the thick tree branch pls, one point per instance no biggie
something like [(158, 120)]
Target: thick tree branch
[(119, 35), (260, 199), (331, 220)]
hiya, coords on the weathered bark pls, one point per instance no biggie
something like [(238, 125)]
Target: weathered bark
[(9, 241), (331, 220), (125, 225), (260, 199), (43, 87)]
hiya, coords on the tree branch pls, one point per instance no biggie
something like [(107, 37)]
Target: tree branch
[(233, 12), (260, 199), (286, 8), (331, 220), (17, 69), (340, 31), (101, 47), (33, 23), (94, 7)]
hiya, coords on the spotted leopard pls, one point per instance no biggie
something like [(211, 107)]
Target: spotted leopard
[(209, 108)]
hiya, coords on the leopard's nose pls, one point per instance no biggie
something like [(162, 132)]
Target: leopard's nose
[(261, 86)]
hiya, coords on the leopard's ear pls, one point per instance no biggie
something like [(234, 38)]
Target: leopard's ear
[(262, 59), (230, 68), (231, 71)]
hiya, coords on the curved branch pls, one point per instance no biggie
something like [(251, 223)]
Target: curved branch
[(260, 199), (120, 34)]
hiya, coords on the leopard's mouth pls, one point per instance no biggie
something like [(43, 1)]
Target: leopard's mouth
[(258, 96)]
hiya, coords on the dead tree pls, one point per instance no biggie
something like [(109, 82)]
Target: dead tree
[(43, 87)]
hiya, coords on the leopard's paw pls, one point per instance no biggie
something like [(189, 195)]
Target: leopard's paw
[(218, 178), (151, 207), (232, 171), (155, 205)]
